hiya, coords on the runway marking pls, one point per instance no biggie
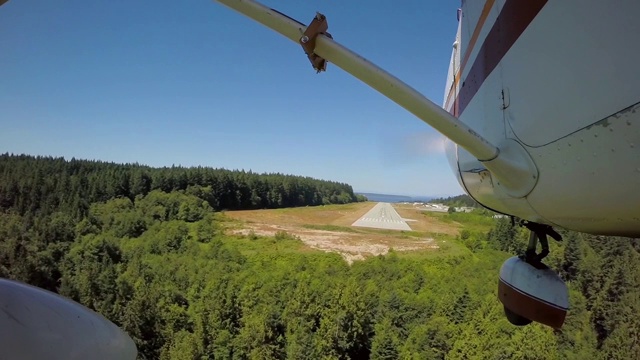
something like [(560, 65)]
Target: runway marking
[(382, 216)]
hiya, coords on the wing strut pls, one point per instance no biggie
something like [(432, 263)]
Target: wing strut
[(510, 164)]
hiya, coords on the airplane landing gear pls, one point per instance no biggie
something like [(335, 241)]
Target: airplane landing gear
[(528, 289), (538, 232)]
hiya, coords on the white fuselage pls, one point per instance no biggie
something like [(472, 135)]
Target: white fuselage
[(561, 79)]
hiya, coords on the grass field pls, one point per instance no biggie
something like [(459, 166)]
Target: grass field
[(328, 228)]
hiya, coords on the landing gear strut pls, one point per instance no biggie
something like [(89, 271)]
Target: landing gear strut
[(528, 289), (538, 232)]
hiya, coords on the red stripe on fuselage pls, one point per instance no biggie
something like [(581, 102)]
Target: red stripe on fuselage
[(472, 42), (513, 19)]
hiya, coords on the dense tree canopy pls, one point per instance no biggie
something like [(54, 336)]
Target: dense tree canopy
[(145, 248), (44, 184), (457, 201)]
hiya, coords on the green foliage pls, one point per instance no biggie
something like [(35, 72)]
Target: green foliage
[(508, 237), (478, 220), (144, 248), (252, 235), (457, 201), (283, 235), (31, 184), (473, 240), (385, 342)]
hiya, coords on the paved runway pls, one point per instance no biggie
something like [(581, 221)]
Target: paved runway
[(382, 216)]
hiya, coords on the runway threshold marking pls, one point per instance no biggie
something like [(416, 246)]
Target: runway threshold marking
[(382, 216)]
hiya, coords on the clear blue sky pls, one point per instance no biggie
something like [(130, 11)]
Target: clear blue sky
[(194, 83)]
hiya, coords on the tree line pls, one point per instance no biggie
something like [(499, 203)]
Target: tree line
[(31, 184), (457, 201)]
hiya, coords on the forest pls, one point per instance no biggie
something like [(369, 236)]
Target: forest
[(147, 249), (457, 201), (31, 184)]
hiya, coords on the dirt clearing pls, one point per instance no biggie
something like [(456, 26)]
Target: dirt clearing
[(327, 228)]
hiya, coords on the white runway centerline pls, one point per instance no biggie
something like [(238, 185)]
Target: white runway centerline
[(382, 216)]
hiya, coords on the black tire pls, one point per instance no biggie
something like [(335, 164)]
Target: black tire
[(516, 319)]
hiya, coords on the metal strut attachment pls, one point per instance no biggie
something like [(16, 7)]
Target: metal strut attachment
[(538, 232), (318, 26)]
